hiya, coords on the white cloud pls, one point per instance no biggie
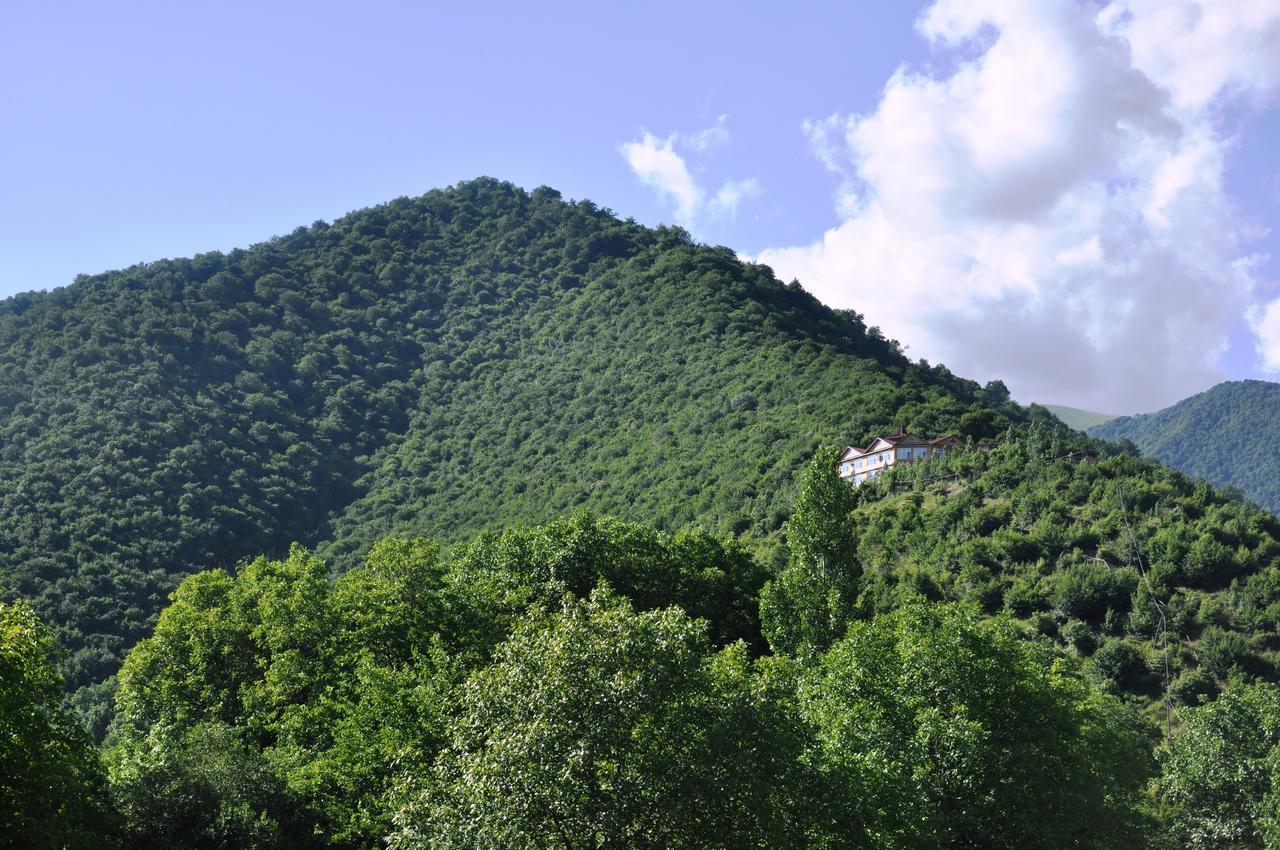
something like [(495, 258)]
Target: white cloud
[(1265, 322), (1199, 50), (658, 163), (726, 200), (712, 137), (1052, 211)]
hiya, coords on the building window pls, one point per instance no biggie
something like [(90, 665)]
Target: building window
[(904, 453), (937, 452), (921, 452)]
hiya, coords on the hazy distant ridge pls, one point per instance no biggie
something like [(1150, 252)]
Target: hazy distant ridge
[(1228, 435)]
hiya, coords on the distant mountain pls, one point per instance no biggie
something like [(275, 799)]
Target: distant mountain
[(440, 365), (1229, 434), (1074, 417)]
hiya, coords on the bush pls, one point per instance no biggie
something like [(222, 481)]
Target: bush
[(1193, 687), (949, 733), (1222, 651), (1087, 590), (1220, 777), (1121, 663), (1080, 637)]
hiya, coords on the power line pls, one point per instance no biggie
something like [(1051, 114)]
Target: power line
[(1135, 559)]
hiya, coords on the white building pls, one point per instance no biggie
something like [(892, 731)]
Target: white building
[(858, 465)]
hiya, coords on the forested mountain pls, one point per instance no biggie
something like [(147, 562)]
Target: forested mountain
[(436, 365), (1075, 417), (365, 458), (1227, 435)]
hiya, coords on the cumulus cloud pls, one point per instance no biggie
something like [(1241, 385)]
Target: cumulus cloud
[(1265, 322), (1052, 210), (659, 163)]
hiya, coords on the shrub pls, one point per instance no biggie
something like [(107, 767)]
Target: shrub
[(1121, 663), (1080, 637)]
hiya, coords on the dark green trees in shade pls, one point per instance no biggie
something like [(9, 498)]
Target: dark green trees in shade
[(52, 789)]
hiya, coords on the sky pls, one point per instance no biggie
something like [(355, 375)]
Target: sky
[(1081, 199)]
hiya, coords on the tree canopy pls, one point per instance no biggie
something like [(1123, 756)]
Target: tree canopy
[(51, 785)]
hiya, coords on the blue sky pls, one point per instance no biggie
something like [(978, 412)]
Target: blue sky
[(153, 130)]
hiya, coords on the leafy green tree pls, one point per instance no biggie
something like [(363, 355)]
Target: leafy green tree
[(950, 732), (52, 793), (810, 604), (1220, 776), (278, 703), (601, 727), (500, 574), (203, 787)]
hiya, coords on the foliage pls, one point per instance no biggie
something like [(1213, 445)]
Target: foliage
[(811, 602), (1220, 778), (473, 358), (1084, 544), (202, 787), (279, 697), (503, 573), (503, 696), (950, 732), (312, 694), (600, 727), (52, 793), (1222, 435)]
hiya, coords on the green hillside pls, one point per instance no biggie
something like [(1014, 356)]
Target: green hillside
[(1044, 642), (436, 365), (1163, 586), (1227, 435), (1074, 417), (958, 655)]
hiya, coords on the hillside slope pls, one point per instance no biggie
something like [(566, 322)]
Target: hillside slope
[(1075, 417), (1089, 546), (1226, 435), (436, 365)]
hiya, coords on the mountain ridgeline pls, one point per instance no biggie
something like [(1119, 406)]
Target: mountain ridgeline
[(1227, 435), (473, 357)]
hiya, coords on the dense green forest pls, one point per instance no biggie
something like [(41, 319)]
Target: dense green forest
[(596, 683), (1222, 435), (436, 365), (337, 508)]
